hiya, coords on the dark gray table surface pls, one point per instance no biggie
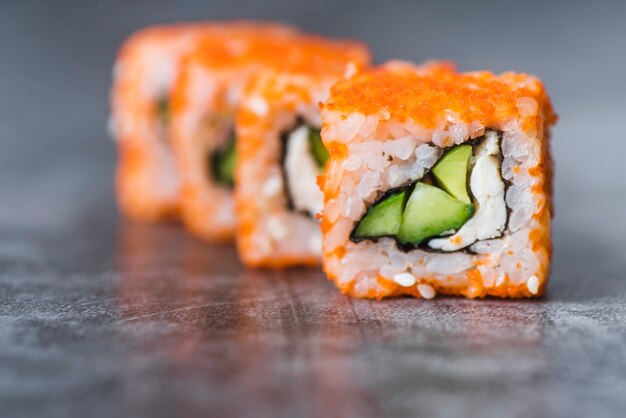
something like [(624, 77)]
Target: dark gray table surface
[(100, 317)]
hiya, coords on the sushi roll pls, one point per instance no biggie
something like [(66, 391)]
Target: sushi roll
[(438, 182), (280, 155), (205, 99), (147, 182)]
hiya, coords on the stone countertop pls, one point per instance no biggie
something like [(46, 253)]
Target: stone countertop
[(101, 317)]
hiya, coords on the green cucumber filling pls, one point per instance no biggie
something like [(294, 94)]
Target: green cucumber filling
[(450, 172), (304, 158), (384, 218), (222, 163), (460, 201), (163, 111), (319, 151), (430, 212)]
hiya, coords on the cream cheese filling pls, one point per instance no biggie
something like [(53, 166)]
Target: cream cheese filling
[(301, 171), (487, 189)]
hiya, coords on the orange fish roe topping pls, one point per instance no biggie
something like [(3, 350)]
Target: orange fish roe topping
[(428, 96), (475, 285), (278, 48), (337, 151), (387, 286), (535, 237), (339, 252)]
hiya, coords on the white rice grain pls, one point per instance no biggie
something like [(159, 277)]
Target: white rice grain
[(426, 291), (533, 284), (404, 279)]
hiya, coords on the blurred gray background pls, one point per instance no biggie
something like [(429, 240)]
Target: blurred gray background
[(102, 318)]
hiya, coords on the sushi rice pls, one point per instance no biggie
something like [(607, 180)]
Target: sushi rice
[(502, 250)]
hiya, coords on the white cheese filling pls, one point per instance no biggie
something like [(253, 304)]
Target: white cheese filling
[(301, 171), (487, 187)]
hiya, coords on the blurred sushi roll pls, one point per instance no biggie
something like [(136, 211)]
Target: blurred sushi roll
[(205, 99), (280, 154), (147, 181), (438, 182)]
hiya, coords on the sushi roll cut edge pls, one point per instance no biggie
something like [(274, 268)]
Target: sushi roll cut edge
[(280, 156), (438, 182)]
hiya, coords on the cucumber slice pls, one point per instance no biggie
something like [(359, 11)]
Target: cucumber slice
[(319, 151), (223, 164), (163, 111), (383, 219), (450, 172), (429, 213)]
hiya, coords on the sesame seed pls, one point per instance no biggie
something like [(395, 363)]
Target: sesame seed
[(426, 290), (533, 284), (404, 279)]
